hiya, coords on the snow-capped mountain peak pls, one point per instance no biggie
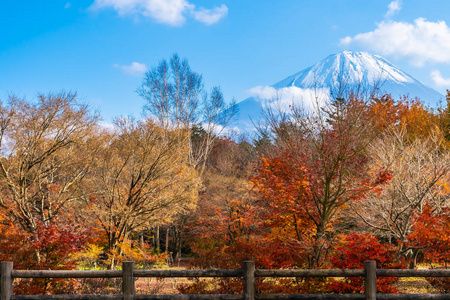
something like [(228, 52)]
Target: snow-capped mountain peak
[(348, 66), (355, 70)]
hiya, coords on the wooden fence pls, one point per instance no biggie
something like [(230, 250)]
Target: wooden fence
[(248, 273)]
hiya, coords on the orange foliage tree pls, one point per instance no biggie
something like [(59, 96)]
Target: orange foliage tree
[(318, 168), (324, 165), (286, 204), (350, 253), (50, 247), (431, 233), (410, 114)]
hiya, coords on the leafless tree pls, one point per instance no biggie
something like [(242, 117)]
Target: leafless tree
[(176, 98), (420, 169)]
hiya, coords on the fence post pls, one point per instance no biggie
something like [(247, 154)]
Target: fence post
[(127, 280), (249, 280), (370, 279), (6, 286)]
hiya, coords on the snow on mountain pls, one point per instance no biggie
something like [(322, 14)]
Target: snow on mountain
[(336, 75), (352, 67)]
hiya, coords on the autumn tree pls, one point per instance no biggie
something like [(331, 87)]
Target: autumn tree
[(431, 233), (420, 169), (224, 185), (226, 216), (232, 157), (47, 147), (50, 246), (352, 250), (444, 117), (142, 175), (176, 98), (410, 115), (285, 204), (328, 144)]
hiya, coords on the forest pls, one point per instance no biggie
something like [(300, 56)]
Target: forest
[(364, 177)]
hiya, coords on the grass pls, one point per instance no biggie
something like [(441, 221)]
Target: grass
[(415, 285)]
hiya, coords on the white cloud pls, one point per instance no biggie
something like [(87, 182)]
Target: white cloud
[(264, 92), (171, 12), (439, 80), (285, 97), (421, 41), (68, 5), (135, 69), (110, 127), (393, 8), (210, 16)]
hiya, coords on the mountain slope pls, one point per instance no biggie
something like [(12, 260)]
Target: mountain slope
[(337, 74)]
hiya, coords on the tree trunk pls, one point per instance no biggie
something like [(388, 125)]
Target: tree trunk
[(167, 239), (176, 233), (157, 241)]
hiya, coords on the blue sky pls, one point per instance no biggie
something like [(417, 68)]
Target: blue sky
[(101, 48)]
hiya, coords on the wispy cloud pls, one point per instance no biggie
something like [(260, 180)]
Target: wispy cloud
[(110, 127), (393, 8), (422, 41), (285, 97), (263, 92), (210, 16), (135, 69), (439, 80), (171, 12)]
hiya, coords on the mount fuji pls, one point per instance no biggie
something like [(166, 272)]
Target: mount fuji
[(334, 76)]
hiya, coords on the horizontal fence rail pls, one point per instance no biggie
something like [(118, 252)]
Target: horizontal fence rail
[(248, 273), (65, 274), (188, 273), (309, 273), (413, 273)]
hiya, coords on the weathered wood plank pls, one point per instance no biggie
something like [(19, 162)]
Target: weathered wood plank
[(413, 296), (6, 287), (309, 273), (65, 274), (231, 297), (128, 280), (370, 279), (188, 273), (249, 280), (413, 273), (188, 297), (67, 297), (310, 296)]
